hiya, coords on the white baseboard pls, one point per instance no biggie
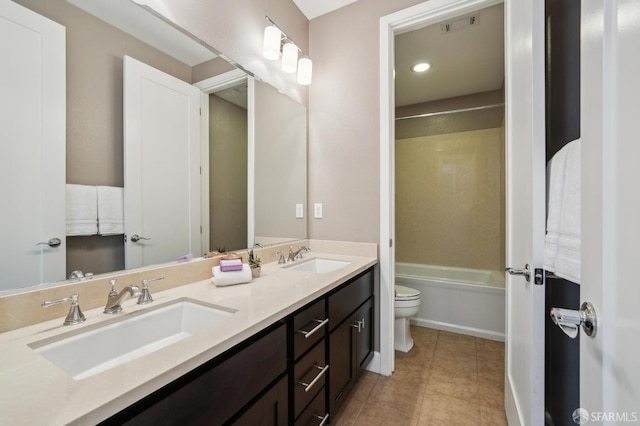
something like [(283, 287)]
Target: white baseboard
[(375, 364), (455, 328)]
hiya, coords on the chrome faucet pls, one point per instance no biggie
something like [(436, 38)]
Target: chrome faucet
[(79, 275), (114, 299), (75, 315), (145, 296), (297, 255)]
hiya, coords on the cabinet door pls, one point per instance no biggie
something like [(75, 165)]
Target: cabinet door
[(345, 300), (364, 336), (270, 409), (342, 351), (213, 393)]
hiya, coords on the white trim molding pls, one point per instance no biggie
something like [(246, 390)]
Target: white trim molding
[(414, 17)]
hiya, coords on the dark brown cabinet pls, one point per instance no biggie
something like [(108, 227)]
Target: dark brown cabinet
[(350, 349), (215, 392), (351, 341), (294, 372), (270, 409)]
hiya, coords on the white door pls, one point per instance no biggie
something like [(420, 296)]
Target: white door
[(162, 166), (32, 133), (610, 64), (524, 370)]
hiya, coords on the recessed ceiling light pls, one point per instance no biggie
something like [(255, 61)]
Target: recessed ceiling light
[(421, 67)]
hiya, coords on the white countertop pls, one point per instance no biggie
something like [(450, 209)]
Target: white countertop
[(35, 392)]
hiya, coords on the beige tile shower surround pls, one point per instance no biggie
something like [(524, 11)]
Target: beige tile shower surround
[(35, 382), (450, 195), (447, 379)]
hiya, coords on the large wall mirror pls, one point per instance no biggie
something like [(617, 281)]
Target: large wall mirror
[(254, 160)]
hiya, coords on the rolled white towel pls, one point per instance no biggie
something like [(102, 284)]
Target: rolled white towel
[(221, 279)]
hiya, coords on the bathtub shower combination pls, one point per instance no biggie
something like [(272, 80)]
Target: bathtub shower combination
[(461, 300)]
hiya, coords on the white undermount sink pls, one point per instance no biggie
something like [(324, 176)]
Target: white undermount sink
[(98, 349), (319, 266)]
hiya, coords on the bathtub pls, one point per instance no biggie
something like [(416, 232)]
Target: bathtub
[(461, 300)]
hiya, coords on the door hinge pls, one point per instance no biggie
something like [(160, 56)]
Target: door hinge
[(391, 242)]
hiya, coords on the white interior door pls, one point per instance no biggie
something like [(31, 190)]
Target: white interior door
[(524, 381), (610, 60), (32, 132), (162, 166)]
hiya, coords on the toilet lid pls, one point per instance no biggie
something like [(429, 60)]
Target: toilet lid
[(406, 293)]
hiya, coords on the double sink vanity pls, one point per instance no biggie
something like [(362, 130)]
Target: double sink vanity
[(283, 349)]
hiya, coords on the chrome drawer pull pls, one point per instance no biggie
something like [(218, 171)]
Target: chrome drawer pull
[(321, 324), (324, 419), (308, 386)]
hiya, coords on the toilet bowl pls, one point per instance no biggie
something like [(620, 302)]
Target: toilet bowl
[(406, 305)]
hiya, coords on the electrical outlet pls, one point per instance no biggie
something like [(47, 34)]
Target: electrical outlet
[(299, 211), (317, 210)]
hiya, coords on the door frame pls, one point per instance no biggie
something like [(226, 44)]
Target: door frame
[(397, 23), (208, 86)]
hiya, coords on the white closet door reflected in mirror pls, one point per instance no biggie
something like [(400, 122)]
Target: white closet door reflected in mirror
[(32, 131), (161, 166)]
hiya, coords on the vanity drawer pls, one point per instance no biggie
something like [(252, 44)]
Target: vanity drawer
[(316, 412), (348, 298), (309, 376), (309, 326)]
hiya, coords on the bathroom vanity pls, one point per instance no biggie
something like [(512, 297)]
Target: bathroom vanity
[(280, 376), (292, 348)]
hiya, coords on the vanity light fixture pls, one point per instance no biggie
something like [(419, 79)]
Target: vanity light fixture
[(421, 67), (289, 58), (271, 44), (293, 58), (305, 70)]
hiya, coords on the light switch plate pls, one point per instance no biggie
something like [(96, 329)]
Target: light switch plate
[(317, 210), (299, 211)]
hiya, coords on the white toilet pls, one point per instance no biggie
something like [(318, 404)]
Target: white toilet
[(406, 305)]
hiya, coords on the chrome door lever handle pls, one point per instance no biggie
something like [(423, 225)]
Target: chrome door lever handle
[(569, 320), (135, 238), (53, 242), (526, 272)]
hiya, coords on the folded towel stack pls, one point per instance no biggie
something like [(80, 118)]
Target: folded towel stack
[(227, 265), (81, 210), (110, 210), (241, 276)]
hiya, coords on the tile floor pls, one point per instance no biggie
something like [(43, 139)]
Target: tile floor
[(446, 379)]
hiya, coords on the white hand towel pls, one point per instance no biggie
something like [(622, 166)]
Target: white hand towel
[(81, 210), (569, 241), (221, 279), (555, 190), (110, 210), (563, 239)]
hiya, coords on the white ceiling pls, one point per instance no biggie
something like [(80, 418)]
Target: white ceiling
[(464, 61), (314, 8)]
